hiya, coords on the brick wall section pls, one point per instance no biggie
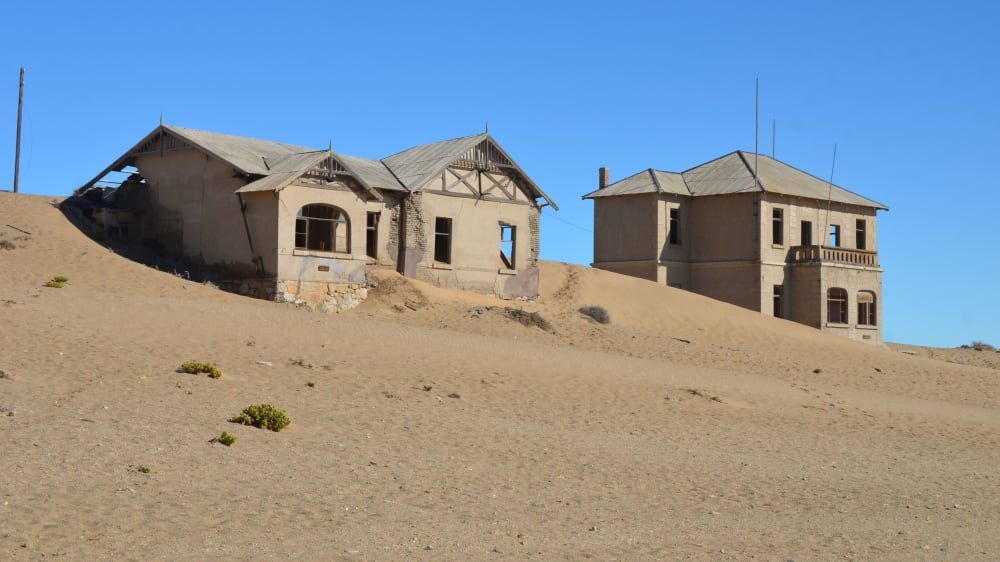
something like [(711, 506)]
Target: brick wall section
[(416, 233), (535, 236)]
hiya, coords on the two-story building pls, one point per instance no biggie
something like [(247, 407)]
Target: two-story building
[(752, 231)]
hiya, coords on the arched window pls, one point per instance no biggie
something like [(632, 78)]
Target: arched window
[(322, 227), (866, 308), (836, 305)]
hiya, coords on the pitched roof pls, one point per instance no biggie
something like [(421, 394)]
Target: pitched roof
[(278, 164), (415, 166), (734, 173)]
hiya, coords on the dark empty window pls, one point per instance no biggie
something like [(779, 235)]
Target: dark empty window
[(836, 305), (866, 308), (442, 240), (508, 243), (777, 226), (779, 292), (859, 234), (675, 227), (835, 235), (322, 227), (807, 233), (371, 235)]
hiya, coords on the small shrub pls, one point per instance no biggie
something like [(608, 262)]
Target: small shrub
[(596, 313), (528, 318), (144, 469), (53, 284), (60, 279), (194, 368), (7, 245), (981, 346), (264, 416), (427, 387), (226, 439)]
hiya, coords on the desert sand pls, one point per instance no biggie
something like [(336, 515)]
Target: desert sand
[(428, 424)]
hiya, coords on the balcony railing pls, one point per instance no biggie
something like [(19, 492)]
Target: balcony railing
[(830, 254)]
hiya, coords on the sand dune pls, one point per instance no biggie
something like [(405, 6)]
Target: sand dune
[(430, 425)]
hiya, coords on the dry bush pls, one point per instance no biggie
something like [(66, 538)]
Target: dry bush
[(596, 313), (528, 318)]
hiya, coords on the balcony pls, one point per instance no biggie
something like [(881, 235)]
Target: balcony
[(830, 254)]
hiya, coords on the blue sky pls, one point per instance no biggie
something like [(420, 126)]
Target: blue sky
[(907, 91)]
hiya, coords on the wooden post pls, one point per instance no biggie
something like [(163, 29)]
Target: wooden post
[(17, 150)]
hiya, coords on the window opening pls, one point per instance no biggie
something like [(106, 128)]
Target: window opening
[(322, 227), (508, 238), (866, 308), (777, 226), (371, 234), (442, 239), (835, 235), (859, 234), (836, 305), (779, 291), (807, 233), (675, 227)]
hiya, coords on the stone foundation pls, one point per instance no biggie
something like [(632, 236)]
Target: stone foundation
[(328, 298)]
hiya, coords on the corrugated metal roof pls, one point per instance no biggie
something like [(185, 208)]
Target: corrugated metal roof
[(279, 164), (372, 172), (646, 181), (243, 153), (273, 182), (416, 165), (778, 177), (733, 173)]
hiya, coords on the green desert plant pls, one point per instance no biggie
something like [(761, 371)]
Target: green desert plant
[(264, 416), (226, 439), (195, 367), (56, 282), (596, 313)]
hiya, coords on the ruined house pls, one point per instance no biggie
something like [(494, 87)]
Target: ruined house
[(751, 231), (302, 225)]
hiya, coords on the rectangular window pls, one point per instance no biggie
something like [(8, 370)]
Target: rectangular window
[(371, 235), (779, 291), (866, 308), (442, 240), (807, 233), (675, 227), (859, 234), (777, 226), (508, 243), (835, 235)]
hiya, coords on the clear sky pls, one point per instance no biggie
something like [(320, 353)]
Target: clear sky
[(908, 91)]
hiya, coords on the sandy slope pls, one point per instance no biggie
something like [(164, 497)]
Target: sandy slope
[(685, 429)]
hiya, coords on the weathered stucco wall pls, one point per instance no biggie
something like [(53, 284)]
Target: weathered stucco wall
[(193, 211), (626, 228), (475, 244), (300, 265)]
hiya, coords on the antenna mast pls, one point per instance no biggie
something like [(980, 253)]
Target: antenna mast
[(829, 196), (17, 150), (756, 130)]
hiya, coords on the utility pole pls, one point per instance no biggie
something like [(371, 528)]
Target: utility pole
[(17, 150)]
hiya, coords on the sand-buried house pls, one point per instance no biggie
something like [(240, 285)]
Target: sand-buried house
[(752, 231), (291, 223)]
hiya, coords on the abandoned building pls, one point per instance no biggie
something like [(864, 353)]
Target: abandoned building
[(751, 231), (295, 224)]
